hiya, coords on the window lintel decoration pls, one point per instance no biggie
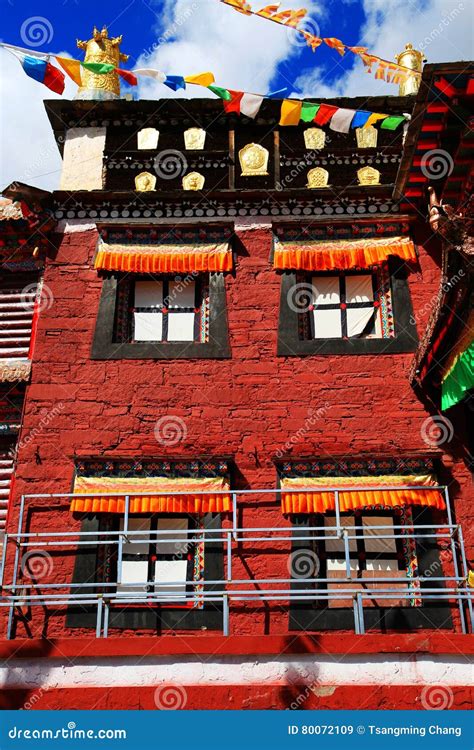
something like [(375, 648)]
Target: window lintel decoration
[(164, 258), (340, 254)]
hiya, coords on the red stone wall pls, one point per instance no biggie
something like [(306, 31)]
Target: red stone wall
[(248, 406)]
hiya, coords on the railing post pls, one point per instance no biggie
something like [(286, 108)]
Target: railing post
[(15, 568), (98, 626), (229, 557), (106, 619), (465, 575), (121, 538), (455, 560), (234, 514), (361, 614), (4, 557), (355, 605), (225, 614)]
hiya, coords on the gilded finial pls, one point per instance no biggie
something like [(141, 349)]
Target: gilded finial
[(413, 59), (101, 49)]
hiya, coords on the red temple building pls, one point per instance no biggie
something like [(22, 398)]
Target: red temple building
[(236, 484)]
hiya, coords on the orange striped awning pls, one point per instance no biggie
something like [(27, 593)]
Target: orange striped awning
[(101, 495), (340, 255), (164, 258), (314, 500)]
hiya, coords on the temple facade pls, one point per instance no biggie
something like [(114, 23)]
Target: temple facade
[(234, 488)]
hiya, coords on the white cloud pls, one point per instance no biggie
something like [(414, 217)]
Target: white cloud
[(441, 28)]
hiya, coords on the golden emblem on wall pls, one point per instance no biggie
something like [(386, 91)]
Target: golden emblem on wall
[(314, 138), (147, 138), (366, 137), (194, 139), (317, 178), (368, 176), (144, 182), (193, 181), (101, 49), (253, 160)]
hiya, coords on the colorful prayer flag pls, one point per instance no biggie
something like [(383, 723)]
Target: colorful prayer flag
[(309, 111), (290, 112), (201, 79), (218, 91), (127, 76), (98, 68), (325, 112), (374, 117), (250, 105), (72, 68), (341, 120), (360, 118), (391, 123), (233, 105), (158, 75), (175, 82), (43, 72)]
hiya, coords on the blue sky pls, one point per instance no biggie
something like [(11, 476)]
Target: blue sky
[(183, 37), (143, 21)]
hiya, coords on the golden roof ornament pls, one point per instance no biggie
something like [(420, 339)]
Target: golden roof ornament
[(366, 137), (253, 160), (314, 138), (101, 49), (193, 181), (144, 182), (413, 59), (194, 139)]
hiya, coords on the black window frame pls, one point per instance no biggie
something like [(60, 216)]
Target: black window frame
[(104, 346), (343, 305), (430, 615), (405, 340), (168, 309), (156, 618)]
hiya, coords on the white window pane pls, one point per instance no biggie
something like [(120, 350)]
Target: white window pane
[(148, 326), (382, 566), (327, 324), (359, 288), (133, 571), (337, 545), (135, 546), (181, 293), (148, 293), (326, 290), (171, 571), (181, 326), (372, 542), (180, 545), (358, 319), (340, 565)]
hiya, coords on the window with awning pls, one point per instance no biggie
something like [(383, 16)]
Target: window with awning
[(164, 257)]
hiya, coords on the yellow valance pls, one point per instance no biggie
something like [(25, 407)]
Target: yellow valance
[(164, 258), (102, 495), (313, 500), (340, 255)]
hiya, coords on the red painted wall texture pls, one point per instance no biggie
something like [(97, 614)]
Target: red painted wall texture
[(248, 406)]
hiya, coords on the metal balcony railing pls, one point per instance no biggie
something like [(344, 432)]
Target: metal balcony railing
[(18, 593)]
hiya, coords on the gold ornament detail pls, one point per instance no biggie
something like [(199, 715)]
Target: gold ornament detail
[(412, 59), (144, 182), (13, 370), (314, 138), (101, 49), (317, 178), (366, 137), (193, 181), (194, 139), (253, 160), (147, 138), (368, 176)]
